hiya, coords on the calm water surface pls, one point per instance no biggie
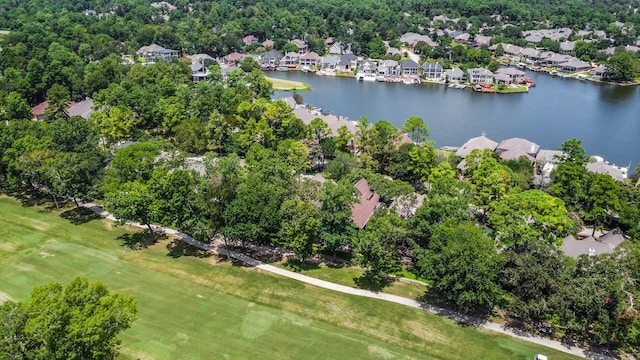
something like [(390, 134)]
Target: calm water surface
[(605, 117)]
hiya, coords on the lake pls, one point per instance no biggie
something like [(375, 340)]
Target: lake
[(605, 117)]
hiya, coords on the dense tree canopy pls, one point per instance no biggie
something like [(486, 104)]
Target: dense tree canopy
[(77, 321)]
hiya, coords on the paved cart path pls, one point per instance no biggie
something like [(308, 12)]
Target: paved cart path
[(459, 317)]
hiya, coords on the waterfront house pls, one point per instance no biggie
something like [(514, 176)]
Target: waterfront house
[(290, 59), (271, 59), (409, 68), (232, 59), (310, 59), (249, 40), (514, 148), (366, 206), (432, 70), (329, 63), (603, 167), (599, 72), (454, 74), (529, 54), (333, 122), (347, 63), (303, 48), (156, 52), (509, 76), (367, 68), (388, 67), (480, 76), (552, 59), (477, 143), (573, 65)]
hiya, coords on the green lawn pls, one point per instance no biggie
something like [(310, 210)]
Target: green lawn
[(192, 307)]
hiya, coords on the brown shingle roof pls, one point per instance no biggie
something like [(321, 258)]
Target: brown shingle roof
[(363, 210)]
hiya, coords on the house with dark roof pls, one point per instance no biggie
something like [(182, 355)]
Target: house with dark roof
[(514, 148), (347, 63), (432, 70), (409, 68), (368, 202)]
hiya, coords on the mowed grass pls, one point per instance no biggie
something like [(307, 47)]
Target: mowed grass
[(288, 85), (196, 307)]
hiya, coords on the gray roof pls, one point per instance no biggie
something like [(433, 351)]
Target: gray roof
[(272, 54), (546, 155), (454, 72), (568, 45), (334, 122), (575, 63), (432, 65), (606, 244), (601, 167), (331, 60), (196, 67), (510, 71), (481, 142), (346, 59), (409, 64), (514, 148), (199, 57), (83, 109), (479, 71), (528, 52)]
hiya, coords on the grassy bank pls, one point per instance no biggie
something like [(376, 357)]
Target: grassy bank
[(288, 85), (195, 307)]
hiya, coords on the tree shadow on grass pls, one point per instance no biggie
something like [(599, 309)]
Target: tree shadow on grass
[(363, 282), (299, 266), (178, 248), (79, 216), (33, 197), (141, 240)]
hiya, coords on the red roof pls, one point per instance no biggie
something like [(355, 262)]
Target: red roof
[(363, 210), (40, 109)]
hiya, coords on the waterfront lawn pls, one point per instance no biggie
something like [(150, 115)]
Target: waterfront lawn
[(191, 306), (288, 85)]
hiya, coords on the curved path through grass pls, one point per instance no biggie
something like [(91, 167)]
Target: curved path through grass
[(459, 317)]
